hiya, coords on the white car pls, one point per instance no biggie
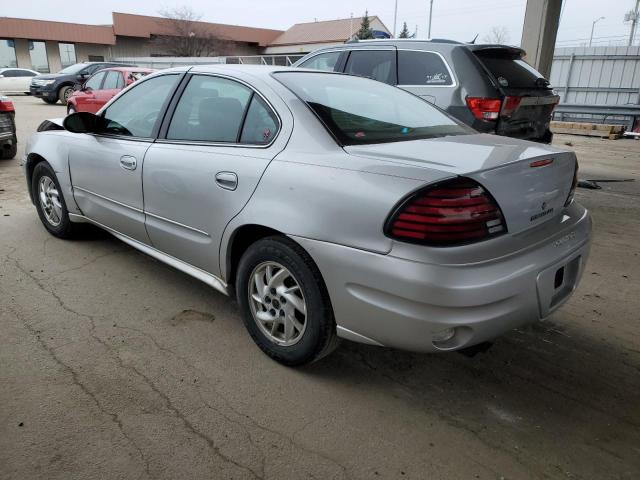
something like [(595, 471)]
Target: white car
[(16, 80)]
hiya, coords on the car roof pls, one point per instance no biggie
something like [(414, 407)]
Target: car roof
[(438, 44), (128, 69)]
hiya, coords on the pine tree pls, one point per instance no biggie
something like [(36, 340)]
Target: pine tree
[(365, 31), (404, 33)]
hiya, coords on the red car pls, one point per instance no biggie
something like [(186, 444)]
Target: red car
[(102, 86)]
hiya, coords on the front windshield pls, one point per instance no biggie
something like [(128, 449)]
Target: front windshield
[(359, 111), (73, 68)]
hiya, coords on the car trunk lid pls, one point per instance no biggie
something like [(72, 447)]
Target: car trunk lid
[(531, 182)]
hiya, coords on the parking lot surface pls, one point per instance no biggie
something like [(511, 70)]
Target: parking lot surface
[(113, 365)]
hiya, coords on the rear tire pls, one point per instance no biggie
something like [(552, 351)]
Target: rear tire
[(296, 331), (50, 203), (8, 153)]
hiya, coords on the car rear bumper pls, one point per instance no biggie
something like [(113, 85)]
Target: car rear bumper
[(395, 302)]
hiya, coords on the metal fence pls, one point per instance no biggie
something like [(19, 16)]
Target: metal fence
[(168, 62), (600, 84)]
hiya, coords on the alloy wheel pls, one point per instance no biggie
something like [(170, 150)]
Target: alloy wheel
[(49, 198), (277, 303)]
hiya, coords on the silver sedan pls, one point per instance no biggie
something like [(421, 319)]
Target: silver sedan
[(332, 206)]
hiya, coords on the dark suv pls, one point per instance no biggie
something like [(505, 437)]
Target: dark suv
[(488, 87), (59, 86)]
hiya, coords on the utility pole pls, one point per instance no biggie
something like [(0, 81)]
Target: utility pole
[(634, 23), (593, 25), (395, 19), (430, 15)]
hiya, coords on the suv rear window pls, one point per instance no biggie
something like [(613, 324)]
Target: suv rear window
[(422, 68), (512, 72), (359, 111)]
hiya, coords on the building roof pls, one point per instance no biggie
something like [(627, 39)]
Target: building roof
[(322, 32), (130, 25), (56, 31)]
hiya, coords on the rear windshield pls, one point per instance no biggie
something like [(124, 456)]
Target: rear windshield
[(359, 111), (513, 73)]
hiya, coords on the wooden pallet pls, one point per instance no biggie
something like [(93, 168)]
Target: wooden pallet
[(601, 130)]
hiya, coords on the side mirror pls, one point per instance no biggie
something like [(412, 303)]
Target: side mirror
[(82, 122), (77, 87)]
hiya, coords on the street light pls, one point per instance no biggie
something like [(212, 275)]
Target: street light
[(593, 25)]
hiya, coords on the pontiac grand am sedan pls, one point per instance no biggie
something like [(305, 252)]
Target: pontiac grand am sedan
[(332, 206)]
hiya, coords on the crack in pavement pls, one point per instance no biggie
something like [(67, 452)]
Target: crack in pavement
[(170, 406), (290, 439)]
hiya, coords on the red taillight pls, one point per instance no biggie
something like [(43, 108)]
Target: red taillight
[(510, 105), (484, 108), (574, 184), (6, 105), (452, 212)]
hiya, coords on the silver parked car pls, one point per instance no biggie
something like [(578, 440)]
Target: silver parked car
[(333, 206)]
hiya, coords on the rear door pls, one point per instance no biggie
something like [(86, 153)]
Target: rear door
[(217, 143), (528, 100)]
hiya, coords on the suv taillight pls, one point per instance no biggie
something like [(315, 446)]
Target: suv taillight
[(574, 184), (493, 108), (452, 212), (484, 108)]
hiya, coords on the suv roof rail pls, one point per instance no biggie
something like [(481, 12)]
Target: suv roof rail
[(433, 40)]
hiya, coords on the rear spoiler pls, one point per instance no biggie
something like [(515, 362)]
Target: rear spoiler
[(498, 50)]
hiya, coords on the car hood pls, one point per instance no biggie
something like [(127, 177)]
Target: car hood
[(459, 154), (52, 76)]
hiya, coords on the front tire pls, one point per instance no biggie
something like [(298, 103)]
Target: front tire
[(50, 203), (64, 93), (285, 303)]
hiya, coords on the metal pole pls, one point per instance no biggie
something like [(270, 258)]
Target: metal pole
[(395, 18), (430, 14), (634, 23), (593, 25)]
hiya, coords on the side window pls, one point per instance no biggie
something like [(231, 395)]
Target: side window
[(323, 61), (11, 73), (211, 109), (28, 73), (94, 82), (260, 124), (135, 113), (377, 64), (422, 68), (91, 69), (120, 81), (111, 80)]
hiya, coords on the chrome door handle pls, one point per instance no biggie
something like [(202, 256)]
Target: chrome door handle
[(227, 180), (128, 162)]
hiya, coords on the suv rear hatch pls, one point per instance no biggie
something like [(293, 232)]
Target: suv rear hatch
[(527, 98)]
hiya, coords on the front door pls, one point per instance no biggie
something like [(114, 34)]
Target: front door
[(86, 99), (220, 139), (106, 167)]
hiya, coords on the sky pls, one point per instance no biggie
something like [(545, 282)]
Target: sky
[(454, 19)]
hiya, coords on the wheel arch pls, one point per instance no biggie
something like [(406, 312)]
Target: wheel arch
[(32, 160), (239, 240)]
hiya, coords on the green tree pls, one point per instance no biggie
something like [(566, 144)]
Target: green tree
[(404, 33), (365, 31)]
